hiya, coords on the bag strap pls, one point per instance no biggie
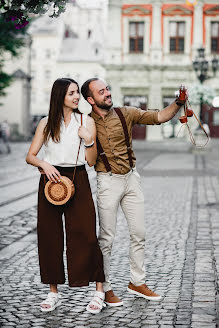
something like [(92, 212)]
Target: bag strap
[(199, 122), (125, 129), (185, 122), (78, 153)]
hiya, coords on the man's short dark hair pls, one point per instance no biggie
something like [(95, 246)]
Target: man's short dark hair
[(85, 89)]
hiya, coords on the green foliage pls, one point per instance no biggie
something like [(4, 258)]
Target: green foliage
[(14, 16), (19, 11), (11, 41), (10, 38), (5, 80)]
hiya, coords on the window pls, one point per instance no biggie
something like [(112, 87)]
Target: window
[(215, 118), (177, 33), (48, 53), (136, 37), (136, 101), (47, 74), (215, 37)]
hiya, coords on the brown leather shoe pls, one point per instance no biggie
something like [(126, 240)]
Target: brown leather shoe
[(143, 291), (111, 299)]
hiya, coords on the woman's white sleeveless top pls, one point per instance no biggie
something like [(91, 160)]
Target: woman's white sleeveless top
[(64, 153)]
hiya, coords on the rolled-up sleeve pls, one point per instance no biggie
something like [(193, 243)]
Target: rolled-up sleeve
[(149, 117)]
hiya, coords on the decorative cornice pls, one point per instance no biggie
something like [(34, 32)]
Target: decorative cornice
[(214, 10), (19, 74), (141, 10), (176, 10), (137, 9)]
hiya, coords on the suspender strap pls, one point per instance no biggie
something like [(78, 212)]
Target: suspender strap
[(103, 156), (125, 129)]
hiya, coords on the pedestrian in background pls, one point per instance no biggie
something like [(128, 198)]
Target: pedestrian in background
[(118, 182), (60, 133), (5, 135)]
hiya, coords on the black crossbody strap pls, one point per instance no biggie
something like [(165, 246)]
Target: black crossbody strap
[(103, 156), (125, 129)]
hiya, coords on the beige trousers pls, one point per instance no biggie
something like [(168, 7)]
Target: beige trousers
[(125, 190)]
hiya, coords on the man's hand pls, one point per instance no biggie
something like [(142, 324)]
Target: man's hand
[(181, 96), (170, 111)]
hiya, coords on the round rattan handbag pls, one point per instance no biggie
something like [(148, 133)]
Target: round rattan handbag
[(58, 193)]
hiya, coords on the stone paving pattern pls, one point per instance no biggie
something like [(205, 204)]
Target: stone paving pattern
[(181, 191)]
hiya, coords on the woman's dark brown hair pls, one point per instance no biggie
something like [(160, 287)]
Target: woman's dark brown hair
[(59, 90)]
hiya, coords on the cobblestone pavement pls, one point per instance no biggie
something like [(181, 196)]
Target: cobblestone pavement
[(181, 189)]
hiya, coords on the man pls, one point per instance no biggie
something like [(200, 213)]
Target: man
[(118, 182)]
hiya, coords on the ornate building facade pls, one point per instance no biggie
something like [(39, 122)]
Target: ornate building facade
[(150, 48), (144, 49)]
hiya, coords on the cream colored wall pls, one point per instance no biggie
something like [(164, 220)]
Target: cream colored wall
[(12, 106)]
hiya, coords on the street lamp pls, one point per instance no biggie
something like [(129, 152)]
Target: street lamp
[(201, 67), (28, 85)]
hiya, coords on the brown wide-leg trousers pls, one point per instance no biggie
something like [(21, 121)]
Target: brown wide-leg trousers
[(84, 258)]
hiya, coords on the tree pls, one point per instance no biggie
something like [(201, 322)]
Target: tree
[(19, 11), (14, 16), (11, 41)]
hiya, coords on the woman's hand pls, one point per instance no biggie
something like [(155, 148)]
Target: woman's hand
[(51, 172), (85, 134)]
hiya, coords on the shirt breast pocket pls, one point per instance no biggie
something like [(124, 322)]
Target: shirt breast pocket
[(117, 133)]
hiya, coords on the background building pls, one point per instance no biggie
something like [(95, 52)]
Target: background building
[(70, 46), (150, 49), (144, 49)]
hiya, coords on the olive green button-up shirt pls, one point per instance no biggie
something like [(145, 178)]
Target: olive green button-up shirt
[(111, 136)]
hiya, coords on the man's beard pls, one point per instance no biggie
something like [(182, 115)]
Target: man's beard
[(102, 105)]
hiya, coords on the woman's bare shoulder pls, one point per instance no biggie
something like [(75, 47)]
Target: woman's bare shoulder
[(43, 122)]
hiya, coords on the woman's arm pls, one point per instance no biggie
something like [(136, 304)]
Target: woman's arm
[(51, 172), (89, 135)]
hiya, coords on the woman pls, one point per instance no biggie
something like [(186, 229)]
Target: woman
[(60, 132)]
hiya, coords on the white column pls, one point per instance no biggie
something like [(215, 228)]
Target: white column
[(156, 48), (113, 34), (155, 102), (198, 28)]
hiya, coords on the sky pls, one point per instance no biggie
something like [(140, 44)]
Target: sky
[(92, 3)]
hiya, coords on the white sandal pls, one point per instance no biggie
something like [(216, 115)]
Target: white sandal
[(98, 301), (53, 300)]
